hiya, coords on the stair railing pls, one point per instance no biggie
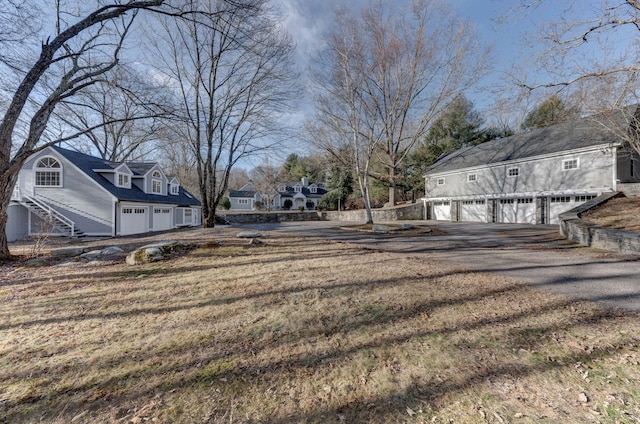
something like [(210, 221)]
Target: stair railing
[(52, 213)]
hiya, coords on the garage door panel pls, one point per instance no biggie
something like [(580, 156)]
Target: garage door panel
[(133, 220), (442, 211), (473, 211), (162, 219), (512, 211)]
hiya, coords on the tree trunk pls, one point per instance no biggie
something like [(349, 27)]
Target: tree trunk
[(4, 244), (209, 217), (7, 183), (392, 186)]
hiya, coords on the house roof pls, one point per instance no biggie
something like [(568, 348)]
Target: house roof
[(88, 164), (241, 193), (570, 135), (140, 168)]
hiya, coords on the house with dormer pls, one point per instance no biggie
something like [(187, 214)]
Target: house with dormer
[(63, 192), (298, 193)]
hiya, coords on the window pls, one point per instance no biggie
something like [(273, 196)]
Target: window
[(440, 181), (561, 199), (188, 214), (472, 177), (479, 202), (175, 189), (569, 164), (585, 198), (48, 173), (467, 202), (524, 201), (162, 210), (297, 188), (507, 201), (513, 172), (313, 188), (243, 201), (156, 183), (123, 181)]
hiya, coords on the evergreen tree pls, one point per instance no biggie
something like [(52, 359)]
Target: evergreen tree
[(551, 111)]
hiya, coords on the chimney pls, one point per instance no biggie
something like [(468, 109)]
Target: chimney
[(305, 182)]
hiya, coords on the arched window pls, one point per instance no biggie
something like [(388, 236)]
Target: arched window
[(156, 182), (48, 172)]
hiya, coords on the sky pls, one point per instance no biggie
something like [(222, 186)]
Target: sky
[(307, 20)]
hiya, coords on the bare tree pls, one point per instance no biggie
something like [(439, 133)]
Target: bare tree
[(392, 75), (266, 179), (119, 116), (80, 49), (70, 60), (233, 81)]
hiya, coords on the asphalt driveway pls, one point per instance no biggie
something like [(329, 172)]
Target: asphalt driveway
[(537, 255)]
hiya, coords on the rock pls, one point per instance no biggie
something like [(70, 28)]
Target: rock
[(248, 234), (101, 254), (256, 242), (407, 227), (111, 250), (68, 251), (34, 262), (583, 398), (156, 252), (380, 227)]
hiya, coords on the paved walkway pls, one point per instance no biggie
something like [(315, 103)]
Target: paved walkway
[(537, 255)]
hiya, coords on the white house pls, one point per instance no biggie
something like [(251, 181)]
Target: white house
[(300, 193), (64, 192), (531, 177)]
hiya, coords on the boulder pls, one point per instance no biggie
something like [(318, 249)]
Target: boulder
[(249, 234), (156, 252), (68, 251)]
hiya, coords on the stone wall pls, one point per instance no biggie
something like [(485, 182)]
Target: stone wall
[(629, 189), (398, 213), (582, 232), (240, 217)]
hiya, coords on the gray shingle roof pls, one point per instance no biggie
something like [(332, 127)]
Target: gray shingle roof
[(89, 163), (576, 134)]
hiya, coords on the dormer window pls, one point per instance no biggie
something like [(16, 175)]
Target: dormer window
[(175, 189), (123, 180), (313, 188), (297, 188), (156, 183), (48, 173)]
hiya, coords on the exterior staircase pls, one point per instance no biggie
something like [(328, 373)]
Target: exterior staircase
[(59, 223)]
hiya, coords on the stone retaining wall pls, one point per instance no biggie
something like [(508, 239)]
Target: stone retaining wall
[(582, 232), (410, 212), (629, 189)]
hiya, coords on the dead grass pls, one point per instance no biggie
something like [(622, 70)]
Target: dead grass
[(619, 213), (303, 330)]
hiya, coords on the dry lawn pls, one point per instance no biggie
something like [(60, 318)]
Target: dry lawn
[(621, 213), (303, 330)]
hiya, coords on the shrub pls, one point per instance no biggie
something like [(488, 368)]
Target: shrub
[(257, 205), (310, 204), (301, 208), (225, 203), (287, 204)]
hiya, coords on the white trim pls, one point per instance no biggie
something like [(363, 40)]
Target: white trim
[(565, 162)]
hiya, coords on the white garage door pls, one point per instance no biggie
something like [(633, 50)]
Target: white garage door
[(473, 210), (522, 211), (562, 204), (133, 220), (442, 211), (162, 219)]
